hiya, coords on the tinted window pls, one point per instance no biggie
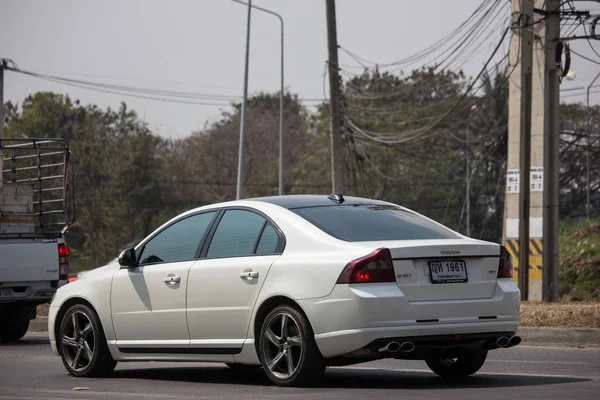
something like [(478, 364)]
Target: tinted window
[(178, 242), (373, 222), (268, 241), (236, 234)]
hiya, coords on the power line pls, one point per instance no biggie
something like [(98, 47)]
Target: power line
[(421, 132), (435, 46), (584, 57), (170, 96)]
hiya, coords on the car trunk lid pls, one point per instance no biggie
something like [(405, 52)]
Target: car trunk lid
[(437, 270)]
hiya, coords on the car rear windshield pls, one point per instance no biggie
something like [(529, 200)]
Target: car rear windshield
[(360, 223)]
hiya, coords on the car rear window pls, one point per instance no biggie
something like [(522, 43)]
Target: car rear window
[(360, 223)]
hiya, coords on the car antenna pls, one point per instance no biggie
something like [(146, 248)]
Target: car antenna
[(337, 198)]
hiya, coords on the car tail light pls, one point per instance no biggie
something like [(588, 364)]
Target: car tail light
[(63, 261), (376, 267), (505, 269)]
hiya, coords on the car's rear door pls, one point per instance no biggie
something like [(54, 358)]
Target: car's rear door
[(224, 283)]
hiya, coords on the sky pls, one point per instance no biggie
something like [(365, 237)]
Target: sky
[(199, 46)]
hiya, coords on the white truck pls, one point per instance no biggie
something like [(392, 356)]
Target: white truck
[(36, 209)]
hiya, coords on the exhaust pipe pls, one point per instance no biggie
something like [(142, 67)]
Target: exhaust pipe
[(515, 340), (392, 347), (503, 341), (407, 347)]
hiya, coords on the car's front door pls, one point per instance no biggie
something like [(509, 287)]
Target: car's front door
[(148, 302), (224, 283)]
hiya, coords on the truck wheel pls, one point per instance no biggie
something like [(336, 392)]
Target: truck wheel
[(82, 344), (464, 365), (14, 330)]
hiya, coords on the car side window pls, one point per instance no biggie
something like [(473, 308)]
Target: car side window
[(269, 239), (177, 242), (236, 234)]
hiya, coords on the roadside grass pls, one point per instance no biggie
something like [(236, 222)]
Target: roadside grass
[(579, 271), (562, 314)]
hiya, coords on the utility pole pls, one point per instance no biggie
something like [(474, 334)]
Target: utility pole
[(468, 181), (468, 170), (516, 226), (281, 93), (2, 68), (281, 97), (240, 176), (551, 135), (525, 145), (337, 167)]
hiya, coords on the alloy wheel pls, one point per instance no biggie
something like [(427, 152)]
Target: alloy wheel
[(282, 345), (77, 339)]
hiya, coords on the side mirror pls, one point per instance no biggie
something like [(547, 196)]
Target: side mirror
[(127, 258)]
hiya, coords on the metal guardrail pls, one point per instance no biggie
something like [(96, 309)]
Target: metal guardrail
[(46, 164)]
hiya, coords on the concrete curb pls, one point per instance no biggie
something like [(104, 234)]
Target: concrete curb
[(560, 337), (531, 336)]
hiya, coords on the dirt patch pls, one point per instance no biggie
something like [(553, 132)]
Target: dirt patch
[(42, 310), (564, 314)]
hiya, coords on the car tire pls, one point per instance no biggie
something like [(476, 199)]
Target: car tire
[(82, 345), (287, 348), (466, 364), (14, 330)]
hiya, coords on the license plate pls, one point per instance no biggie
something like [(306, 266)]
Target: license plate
[(6, 292), (453, 271)]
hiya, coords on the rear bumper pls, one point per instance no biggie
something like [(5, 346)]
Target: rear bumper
[(352, 317), (338, 343), (32, 292)]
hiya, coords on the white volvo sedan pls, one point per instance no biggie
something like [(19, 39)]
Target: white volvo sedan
[(292, 284)]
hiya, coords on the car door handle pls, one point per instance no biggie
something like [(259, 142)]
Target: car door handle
[(249, 274), (171, 279)]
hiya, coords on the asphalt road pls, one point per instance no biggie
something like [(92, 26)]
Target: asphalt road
[(28, 370)]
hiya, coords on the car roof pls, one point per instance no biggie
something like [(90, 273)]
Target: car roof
[(315, 200)]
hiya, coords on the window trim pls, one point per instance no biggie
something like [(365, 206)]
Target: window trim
[(140, 249), (281, 243), (257, 241)]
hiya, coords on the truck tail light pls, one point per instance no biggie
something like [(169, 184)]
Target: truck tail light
[(375, 267), (505, 268), (63, 262)]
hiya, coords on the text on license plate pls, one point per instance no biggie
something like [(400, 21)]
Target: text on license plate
[(452, 271), (6, 292)]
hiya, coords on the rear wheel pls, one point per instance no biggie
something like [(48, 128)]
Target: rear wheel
[(12, 331), (287, 348), (82, 344), (462, 366)]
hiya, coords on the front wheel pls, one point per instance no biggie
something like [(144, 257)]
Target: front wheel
[(14, 330), (464, 365), (287, 348), (82, 344)]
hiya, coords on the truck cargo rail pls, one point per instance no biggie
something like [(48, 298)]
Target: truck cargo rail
[(37, 187)]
